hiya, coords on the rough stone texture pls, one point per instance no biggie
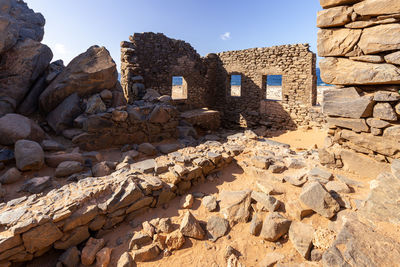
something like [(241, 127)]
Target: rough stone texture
[(301, 236), (67, 168), (41, 237), (336, 42), (210, 202), (14, 127), (380, 38), (333, 17), (217, 227), (274, 227), (63, 115), (377, 7), (344, 71), (71, 257), (357, 125), (146, 254), (21, 66), (88, 73), (235, 205), (29, 155), (332, 3), (91, 248), (362, 164), (175, 240), (352, 247), (317, 198), (190, 227), (11, 176), (393, 58)]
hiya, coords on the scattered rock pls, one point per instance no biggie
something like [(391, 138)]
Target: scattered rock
[(301, 236), (67, 168), (53, 160), (11, 176), (318, 199), (125, 260), (90, 250), (298, 179), (235, 205), (148, 229), (103, 257), (147, 149), (139, 239), (274, 227), (165, 225), (384, 111), (268, 202), (271, 259), (50, 145), (168, 148), (210, 203), (175, 240), (190, 227), (147, 253), (36, 185), (256, 224), (338, 187), (217, 227), (187, 201), (29, 155), (320, 175), (62, 117), (70, 258), (101, 169)]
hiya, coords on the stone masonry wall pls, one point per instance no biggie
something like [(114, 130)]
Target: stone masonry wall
[(360, 41), (149, 122), (296, 64), (150, 60), (155, 59)]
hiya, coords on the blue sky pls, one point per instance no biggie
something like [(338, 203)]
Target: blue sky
[(208, 25)]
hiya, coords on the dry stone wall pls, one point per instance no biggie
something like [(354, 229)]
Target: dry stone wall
[(65, 217), (296, 64), (361, 45), (150, 60)]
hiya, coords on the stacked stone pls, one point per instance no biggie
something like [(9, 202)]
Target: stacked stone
[(360, 41), (296, 64), (155, 59), (131, 124), (30, 226)]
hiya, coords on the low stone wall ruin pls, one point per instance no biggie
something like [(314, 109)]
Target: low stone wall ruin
[(360, 43), (30, 226), (150, 60)]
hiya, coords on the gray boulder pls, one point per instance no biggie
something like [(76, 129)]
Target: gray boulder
[(36, 185), (62, 117), (11, 176), (14, 127), (29, 155), (274, 227)]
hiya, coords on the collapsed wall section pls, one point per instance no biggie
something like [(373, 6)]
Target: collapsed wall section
[(360, 41)]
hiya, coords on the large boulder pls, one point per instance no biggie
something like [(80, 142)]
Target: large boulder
[(380, 38), (18, 22), (343, 71), (20, 68), (87, 74), (14, 127), (29, 155), (63, 116)]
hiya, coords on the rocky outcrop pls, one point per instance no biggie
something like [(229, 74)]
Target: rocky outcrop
[(87, 74)]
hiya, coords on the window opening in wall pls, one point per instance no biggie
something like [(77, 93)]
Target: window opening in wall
[(273, 85), (236, 85), (179, 88)]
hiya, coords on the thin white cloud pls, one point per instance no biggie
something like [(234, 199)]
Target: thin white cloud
[(60, 49), (226, 36)]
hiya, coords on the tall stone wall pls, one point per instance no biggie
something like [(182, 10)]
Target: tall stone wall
[(150, 60), (360, 41), (296, 64), (155, 59)]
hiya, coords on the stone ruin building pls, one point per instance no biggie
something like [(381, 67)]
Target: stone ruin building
[(64, 201), (151, 60)]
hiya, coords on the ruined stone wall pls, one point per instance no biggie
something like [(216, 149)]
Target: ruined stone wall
[(295, 63), (150, 60), (360, 41), (67, 216), (151, 122)]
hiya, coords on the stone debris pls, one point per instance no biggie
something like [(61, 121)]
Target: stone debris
[(234, 206), (190, 227), (274, 227), (92, 247), (210, 203), (301, 235), (217, 227), (187, 201)]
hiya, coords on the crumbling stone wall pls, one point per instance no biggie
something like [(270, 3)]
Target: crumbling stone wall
[(151, 122), (150, 60), (360, 41), (155, 59), (296, 64)]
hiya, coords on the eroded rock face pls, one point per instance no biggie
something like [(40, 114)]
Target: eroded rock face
[(23, 64), (90, 72), (377, 7), (333, 17), (332, 3), (336, 42)]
